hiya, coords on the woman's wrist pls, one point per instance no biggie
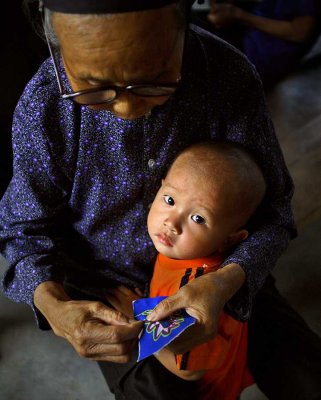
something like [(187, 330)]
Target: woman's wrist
[(240, 15), (48, 295), (228, 280), (244, 18)]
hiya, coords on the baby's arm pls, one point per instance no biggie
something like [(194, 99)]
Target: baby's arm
[(121, 299)]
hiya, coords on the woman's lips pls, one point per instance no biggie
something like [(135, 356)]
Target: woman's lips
[(164, 240)]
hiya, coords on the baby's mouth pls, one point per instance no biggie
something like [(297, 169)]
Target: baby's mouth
[(164, 239)]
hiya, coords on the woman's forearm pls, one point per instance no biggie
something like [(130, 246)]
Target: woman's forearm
[(297, 30)]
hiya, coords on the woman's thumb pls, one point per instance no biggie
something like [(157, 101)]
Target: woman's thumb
[(165, 308)]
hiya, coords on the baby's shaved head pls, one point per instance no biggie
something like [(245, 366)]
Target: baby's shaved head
[(231, 170)]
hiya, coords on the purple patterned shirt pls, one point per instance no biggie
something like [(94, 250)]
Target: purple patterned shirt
[(76, 208)]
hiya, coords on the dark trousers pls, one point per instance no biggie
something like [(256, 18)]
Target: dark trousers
[(146, 380), (284, 358), (284, 353)]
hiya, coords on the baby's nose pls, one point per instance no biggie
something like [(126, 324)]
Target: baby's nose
[(173, 225)]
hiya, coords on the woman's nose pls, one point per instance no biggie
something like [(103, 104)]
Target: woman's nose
[(128, 106)]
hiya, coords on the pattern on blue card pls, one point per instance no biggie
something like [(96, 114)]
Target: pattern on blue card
[(158, 334)]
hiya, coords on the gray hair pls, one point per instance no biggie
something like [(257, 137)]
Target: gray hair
[(48, 28)]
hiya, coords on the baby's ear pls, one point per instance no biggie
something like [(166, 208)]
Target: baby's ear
[(241, 235), (233, 239)]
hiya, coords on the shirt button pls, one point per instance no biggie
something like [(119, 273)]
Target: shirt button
[(151, 163)]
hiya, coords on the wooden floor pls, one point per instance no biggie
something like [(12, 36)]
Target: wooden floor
[(295, 105)]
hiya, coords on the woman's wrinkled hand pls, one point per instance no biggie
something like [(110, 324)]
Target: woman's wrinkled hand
[(204, 299), (121, 298), (95, 331)]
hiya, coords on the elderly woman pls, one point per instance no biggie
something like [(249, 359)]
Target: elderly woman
[(128, 85)]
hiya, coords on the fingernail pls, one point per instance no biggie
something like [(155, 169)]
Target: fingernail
[(150, 317)]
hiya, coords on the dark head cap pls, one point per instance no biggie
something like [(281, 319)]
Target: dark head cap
[(105, 6)]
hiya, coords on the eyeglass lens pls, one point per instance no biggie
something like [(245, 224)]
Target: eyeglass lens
[(108, 95)]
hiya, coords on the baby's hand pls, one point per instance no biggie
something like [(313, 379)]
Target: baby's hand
[(121, 299)]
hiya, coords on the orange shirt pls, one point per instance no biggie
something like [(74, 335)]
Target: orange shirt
[(224, 357)]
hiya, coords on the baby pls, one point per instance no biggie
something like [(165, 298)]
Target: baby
[(199, 213)]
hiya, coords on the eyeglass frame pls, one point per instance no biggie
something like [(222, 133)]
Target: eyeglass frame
[(128, 88)]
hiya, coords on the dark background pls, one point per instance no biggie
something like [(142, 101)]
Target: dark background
[(22, 51)]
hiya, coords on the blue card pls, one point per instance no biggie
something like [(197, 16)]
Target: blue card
[(158, 334)]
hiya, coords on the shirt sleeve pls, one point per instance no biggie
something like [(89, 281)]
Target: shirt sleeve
[(287, 9), (300, 8), (32, 211), (273, 226)]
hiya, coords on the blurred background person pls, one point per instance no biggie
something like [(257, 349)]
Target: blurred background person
[(274, 34)]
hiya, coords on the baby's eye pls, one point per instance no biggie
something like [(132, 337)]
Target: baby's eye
[(198, 219), (169, 200)]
